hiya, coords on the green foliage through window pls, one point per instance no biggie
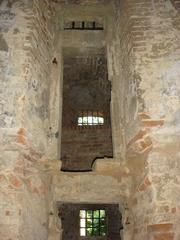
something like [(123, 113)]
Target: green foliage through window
[(93, 223)]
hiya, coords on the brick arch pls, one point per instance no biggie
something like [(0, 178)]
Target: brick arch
[(176, 4)]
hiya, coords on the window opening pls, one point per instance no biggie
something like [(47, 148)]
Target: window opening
[(90, 118), (93, 223), (83, 25)]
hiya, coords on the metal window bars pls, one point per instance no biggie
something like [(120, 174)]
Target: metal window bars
[(90, 118), (83, 25), (93, 223)]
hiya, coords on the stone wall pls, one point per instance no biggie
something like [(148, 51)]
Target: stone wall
[(176, 4), (26, 48), (143, 66), (151, 33), (121, 75), (157, 67), (109, 183)]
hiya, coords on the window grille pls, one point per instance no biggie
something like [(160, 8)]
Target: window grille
[(90, 118), (83, 25), (93, 223)]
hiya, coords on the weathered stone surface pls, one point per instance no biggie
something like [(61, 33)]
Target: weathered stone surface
[(142, 42), (3, 44)]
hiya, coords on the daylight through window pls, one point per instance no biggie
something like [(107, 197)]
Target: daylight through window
[(92, 223), (90, 118)]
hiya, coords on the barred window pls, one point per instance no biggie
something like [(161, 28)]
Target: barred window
[(92, 222), (83, 25), (90, 118)]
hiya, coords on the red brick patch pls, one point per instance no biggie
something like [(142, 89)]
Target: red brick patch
[(144, 185), (20, 136), (143, 115), (164, 227), (164, 236), (152, 122), (163, 231), (138, 136), (2, 178), (15, 181)]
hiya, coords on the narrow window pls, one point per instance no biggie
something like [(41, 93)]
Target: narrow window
[(90, 118), (83, 25), (92, 222)]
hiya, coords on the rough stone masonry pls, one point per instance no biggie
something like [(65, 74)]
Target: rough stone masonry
[(142, 42)]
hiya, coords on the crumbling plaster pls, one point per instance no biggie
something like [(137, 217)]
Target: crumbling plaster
[(143, 65)]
